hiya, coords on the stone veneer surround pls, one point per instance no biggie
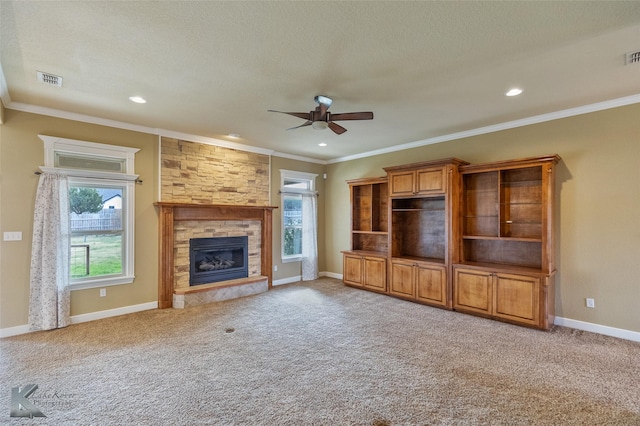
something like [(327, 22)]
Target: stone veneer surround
[(198, 173), (185, 230)]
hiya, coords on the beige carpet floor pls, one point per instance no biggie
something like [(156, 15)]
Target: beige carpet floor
[(320, 353)]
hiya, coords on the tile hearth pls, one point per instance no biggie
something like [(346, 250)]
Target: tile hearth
[(216, 292)]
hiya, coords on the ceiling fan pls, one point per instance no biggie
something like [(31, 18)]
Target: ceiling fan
[(320, 118)]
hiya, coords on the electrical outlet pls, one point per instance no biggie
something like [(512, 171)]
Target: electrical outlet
[(103, 292), (275, 268), (591, 303)]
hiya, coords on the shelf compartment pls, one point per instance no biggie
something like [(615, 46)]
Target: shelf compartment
[(418, 204), (530, 230), (521, 220), (370, 208), (529, 192), (524, 253), (480, 208), (419, 233), (373, 242), (521, 175), (485, 226)]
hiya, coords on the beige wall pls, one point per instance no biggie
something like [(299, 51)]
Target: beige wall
[(598, 203), (598, 185), (292, 269), (21, 152)]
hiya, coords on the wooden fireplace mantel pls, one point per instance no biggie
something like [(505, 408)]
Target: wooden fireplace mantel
[(172, 212)]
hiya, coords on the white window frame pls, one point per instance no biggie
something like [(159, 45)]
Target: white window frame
[(303, 177), (125, 179)]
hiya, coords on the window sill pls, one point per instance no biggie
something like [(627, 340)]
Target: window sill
[(291, 259), (101, 282)]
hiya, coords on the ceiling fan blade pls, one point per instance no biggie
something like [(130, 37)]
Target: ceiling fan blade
[(351, 116), (307, 123), (337, 129), (303, 115)]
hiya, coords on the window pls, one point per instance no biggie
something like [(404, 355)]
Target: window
[(292, 186), (101, 205)]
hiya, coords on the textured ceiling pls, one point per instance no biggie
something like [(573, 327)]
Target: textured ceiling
[(426, 69)]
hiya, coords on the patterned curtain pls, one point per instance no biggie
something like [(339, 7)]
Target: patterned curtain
[(309, 237), (49, 303)]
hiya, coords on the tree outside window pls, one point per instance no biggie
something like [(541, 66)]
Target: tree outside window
[(96, 231)]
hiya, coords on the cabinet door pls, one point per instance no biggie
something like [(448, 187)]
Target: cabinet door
[(402, 183), (375, 273), (472, 290), (516, 297), (431, 181), (431, 284), (352, 266), (402, 279)]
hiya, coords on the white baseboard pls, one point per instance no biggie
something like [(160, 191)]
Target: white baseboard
[(599, 329), (14, 331), (298, 278), (288, 280), (76, 319), (331, 275)]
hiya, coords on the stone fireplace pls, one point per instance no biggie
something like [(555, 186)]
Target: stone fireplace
[(181, 222)]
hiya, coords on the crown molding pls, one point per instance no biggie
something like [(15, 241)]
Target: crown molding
[(84, 118), (585, 109), (299, 158)]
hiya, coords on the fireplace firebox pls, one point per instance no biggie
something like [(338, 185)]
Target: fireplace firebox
[(218, 259)]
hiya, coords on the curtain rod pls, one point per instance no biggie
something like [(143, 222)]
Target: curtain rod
[(136, 180), (300, 193)]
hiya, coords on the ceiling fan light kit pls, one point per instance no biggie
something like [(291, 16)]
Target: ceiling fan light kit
[(320, 118), (319, 125)]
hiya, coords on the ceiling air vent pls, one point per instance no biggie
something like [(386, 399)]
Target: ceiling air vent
[(633, 57), (50, 79)]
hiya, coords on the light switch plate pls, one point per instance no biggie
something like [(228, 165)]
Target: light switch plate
[(13, 236)]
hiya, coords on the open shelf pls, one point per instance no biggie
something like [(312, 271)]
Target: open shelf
[(502, 217), (369, 215), (370, 211), (525, 253), (376, 242), (419, 228)]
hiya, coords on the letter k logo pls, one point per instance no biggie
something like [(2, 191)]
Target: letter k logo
[(21, 406)]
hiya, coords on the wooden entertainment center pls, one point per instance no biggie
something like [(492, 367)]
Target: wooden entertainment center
[(474, 238)]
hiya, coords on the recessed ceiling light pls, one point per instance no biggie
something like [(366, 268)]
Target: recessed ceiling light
[(514, 92), (322, 144), (234, 135), (138, 99)]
